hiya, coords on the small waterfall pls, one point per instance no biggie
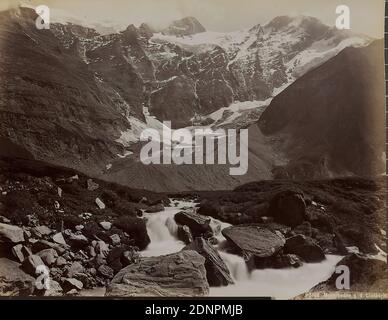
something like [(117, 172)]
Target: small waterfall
[(278, 283), (161, 227), (162, 230), (237, 266), (172, 227)]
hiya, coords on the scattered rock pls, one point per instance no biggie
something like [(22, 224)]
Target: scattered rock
[(11, 234), (217, 272), (106, 271), (85, 215), (58, 238), (115, 239), (17, 251), (288, 208), (180, 274), (106, 225), (304, 229), (184, 234), (155, 208), (91, 185), (102, 248), (49, 256), (100, 204), (72, 284), (255, 241), (327, 242), (13, 280), (43, 244), (41, 231), (59, 191), (199, 225), (4, 220), (69, 256), (78, 241), (129, 257), (287, 261), (279, 261), (27, 234), (99, 260), (305, 248), (91, 251), (75, 269), (72, 292), (54, 290), (31, 263), (114, 258), (143, 200), (135, 228), (57, 206), (61, 262), (79, 227)]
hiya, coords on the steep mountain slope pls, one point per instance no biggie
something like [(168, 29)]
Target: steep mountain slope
[(331, 120), (51, 105)]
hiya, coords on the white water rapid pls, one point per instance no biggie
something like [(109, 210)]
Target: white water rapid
[(276, 283)]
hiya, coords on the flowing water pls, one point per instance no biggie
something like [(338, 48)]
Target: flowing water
[(277, 283)]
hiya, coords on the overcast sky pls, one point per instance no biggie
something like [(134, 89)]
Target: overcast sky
[(220, 15)]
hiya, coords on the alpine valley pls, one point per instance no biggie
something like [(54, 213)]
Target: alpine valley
[(80, 98)]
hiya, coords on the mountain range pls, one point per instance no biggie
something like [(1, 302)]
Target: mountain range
[(310, 95)]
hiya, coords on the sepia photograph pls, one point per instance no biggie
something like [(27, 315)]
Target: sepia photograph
[(193, 148)]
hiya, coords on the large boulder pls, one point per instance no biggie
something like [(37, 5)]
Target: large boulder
[(304, 247), (199, 225), (43, 244), (48, 256), (41, 231), (155, 208), (78, 241), (69, 284), (184, 234), (31, 264), (209, 208), (136, 229), (217, 271), (258, 210), (11, 234), (180, 274), (279, 261), (288, 208), (120, 257), (13, 280), (366, 274), (255, 241)]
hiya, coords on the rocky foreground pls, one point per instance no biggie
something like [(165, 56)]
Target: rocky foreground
[(88, 233)]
